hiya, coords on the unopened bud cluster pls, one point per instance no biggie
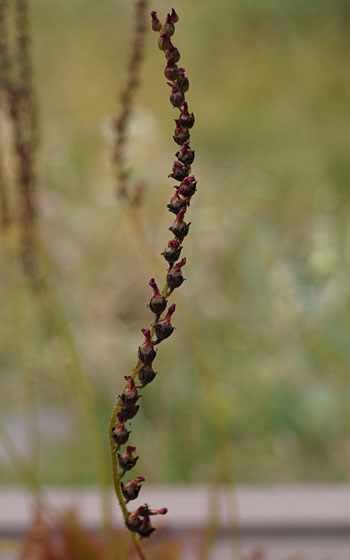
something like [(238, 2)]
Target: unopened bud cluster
[(161, 328)]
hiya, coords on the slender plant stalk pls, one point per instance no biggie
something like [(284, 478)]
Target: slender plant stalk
[(127, 95)]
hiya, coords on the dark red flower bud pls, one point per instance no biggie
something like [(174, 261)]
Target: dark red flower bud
[(164, 328), (172, 251), (176, 203), (181, 134), (145, 511), (129, 410), (186, 119), (146, 374), (132, 489), (182, 82), (145, 529), (174, 277), (130, 394), (157, 302), (186, 155), (146, 351), (177, 97), (120, 434), (171, 71), (179, 227), (174, 18), (133, 521), (126, 460), (168, 26), (163, 41), (179, 171), (156, 25), (188, 186), (173, 51)]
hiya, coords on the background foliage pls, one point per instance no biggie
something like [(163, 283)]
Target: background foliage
[(266, 302)]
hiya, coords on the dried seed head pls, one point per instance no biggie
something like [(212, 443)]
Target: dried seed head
[(146, 351), (132, 489), (172, 251), (176, 203), (173, 51), (157, 302), (130, 394), (164, 328), (174, 277), (186, 119), (171, 71), (120, 434), (126, 460), (181, 134), (179, 227), (182, 82), (156, 25), (179, 171), (146, 374), (186, 155), (163, 41), (188, 186), (176, 97)]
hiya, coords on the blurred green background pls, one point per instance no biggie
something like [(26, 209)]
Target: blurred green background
[(262, 343)]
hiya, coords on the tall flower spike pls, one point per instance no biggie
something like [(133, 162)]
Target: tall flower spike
[(138, 521)]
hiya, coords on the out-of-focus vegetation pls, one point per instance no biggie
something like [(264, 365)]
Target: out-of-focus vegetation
[(266, 302)]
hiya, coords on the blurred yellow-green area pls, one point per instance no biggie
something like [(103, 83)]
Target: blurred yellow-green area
[(261, 352)]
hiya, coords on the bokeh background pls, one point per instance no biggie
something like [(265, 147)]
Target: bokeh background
[(260, 359)]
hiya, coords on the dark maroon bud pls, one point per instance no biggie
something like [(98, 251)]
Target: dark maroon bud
[(120, 434), (145, 529), (186, 119), (168, 26), (132, 489), (146, 374), (146, 351), (164, 328), (163, 41), (171, 71), (174, 277), (133, 521), (179, 171), (172, 251), (181, 134), (156, 25), (173, 51), (174, 18), (129, 410), (188, 186), (130, 394), (182, 82), (177, 97), (176, 203), (157, 302), (126, 460), (185, 155), (179, 227)]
